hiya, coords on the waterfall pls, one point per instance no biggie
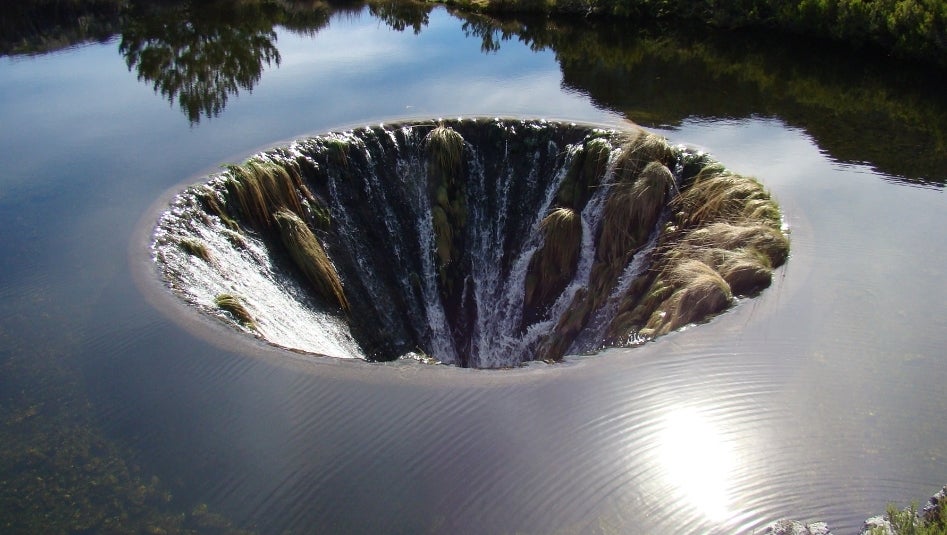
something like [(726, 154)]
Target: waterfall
[(436, 234)]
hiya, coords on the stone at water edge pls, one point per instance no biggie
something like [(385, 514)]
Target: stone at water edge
[(877, 524), (931, 511), (792, 527)]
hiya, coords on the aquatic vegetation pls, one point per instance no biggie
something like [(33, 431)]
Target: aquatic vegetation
[(235, 307), (724, 242), (263, 187), (633, 209), (489, 242), (63, 473), (195, 247), (310, 257), (445, 149), (553, 266)]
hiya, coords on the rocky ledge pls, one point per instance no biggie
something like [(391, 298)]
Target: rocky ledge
[(931, 515)]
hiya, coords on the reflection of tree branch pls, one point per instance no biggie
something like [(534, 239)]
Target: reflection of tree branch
[(399, 14), (39, 26), (199, 55)]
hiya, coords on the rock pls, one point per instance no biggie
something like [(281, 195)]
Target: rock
[(877, 525), (793, 527), (931, 511)]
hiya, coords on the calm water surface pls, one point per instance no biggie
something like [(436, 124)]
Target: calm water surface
[(821, 399)]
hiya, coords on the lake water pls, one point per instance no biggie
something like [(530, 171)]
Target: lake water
[(822, 399)]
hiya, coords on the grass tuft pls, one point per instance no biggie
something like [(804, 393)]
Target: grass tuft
[(310, 257), (195, 247), (632, 210), (211, 202), (554, 265), (718, 195), (445, 147), (639, 152), (263, 187), (234, 306), (697, 292)]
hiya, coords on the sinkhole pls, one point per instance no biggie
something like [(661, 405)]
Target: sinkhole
[(474, 242)]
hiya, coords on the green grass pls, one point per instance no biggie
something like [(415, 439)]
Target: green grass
[(908, 522)]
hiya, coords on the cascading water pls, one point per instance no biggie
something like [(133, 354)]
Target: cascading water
[(477, 242)]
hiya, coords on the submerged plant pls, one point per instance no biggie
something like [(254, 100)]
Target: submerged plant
[(234, 306), (306, 251)]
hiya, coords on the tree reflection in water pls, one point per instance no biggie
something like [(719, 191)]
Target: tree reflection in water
[(200, 53)]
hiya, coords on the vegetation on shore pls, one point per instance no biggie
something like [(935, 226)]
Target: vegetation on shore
[(910, 521)]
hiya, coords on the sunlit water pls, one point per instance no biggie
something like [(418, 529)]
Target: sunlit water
[(822, 399)]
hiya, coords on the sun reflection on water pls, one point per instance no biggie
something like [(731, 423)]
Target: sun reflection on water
[(697, 461)]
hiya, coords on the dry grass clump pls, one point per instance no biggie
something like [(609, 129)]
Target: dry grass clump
[(761, 237), (718, 195), (262, 188), (553, 266), (445, 147), (234, 306), (310, 257), (195, 247), (208, 198), (696, 292), (639, 152), (631, 211), (725, 241)]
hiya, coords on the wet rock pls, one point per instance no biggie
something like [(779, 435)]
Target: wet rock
[(793, 527)]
